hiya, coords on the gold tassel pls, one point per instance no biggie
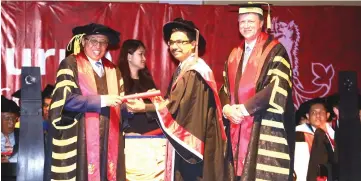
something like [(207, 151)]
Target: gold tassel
[(197, 41), (77, 38), (269, 24)]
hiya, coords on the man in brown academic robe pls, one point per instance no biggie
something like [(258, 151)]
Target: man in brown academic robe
[(191, 116)]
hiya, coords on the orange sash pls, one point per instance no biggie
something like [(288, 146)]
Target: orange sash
[(88, 87)]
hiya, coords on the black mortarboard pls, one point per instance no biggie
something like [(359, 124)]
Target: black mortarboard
[(98, 29), (92, 29), (333, 100), (184, 24), (9, 105), (17, 94), (301, 111), (47, 92)]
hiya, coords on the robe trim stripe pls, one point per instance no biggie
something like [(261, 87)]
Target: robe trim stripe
[(273, 169), (274, 139), (279, 73), (63, 156), (64, 169), (282, 60), (273, 154), (66, 142), (65, 127), (60, 102), (177, 132), (65, 83), (276, 108), (65, 72), (72, 179), (258, 179), (271, 123)]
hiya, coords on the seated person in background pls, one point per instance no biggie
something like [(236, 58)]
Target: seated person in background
[(46, 96), (140, 114), (9, 135), (311, 148), (300, 114)]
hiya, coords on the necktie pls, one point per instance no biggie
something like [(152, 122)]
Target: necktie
[(8, 145), (247, 53), (100, 67), (176, 74)]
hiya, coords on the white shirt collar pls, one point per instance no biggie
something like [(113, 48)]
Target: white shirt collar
[(181, 64), (251, 45), (96, 68), (93, 61)]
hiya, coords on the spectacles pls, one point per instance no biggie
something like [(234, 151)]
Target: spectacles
[(178, 42), (9, 118), (94, 42)]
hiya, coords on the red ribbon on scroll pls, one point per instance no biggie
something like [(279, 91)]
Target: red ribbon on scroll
[(143, 95)]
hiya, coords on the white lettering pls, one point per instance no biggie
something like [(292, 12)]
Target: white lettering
[(61, 55), (42, 58), (10, 62)]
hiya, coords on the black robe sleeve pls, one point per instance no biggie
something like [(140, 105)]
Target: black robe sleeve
[(65, 86)]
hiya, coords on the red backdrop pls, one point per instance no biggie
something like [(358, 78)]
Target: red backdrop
[(320, 40)]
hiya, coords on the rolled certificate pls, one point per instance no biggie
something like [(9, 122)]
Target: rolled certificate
[(143, 95)]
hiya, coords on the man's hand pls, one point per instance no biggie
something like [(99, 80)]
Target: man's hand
[(135, 105), (151, 90), (160, 103), (112, 100), (233, 114)]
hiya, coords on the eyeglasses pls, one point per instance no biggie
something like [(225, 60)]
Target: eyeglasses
[(178, 42), (9, 118), (94, 42)]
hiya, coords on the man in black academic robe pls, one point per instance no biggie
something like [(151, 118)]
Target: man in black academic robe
[(87, 143), (258, 83)]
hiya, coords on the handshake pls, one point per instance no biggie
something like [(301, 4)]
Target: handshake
[(235, 113)]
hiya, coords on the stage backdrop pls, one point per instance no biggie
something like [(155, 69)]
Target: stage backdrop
[(321, 41)]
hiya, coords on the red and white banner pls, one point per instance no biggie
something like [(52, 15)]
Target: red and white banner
[(321, 41)]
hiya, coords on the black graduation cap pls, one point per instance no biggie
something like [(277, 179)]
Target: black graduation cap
[(92, 29), (47, 92), (184, 24), (302, 111), (17, 94), (334, 100), (98, 29), (9, 106)]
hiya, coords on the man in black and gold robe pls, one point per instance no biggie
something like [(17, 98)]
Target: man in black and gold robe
[(85, 114), (259, 103), (191, 117)]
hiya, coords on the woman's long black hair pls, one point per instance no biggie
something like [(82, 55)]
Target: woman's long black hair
[(145, 78)]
